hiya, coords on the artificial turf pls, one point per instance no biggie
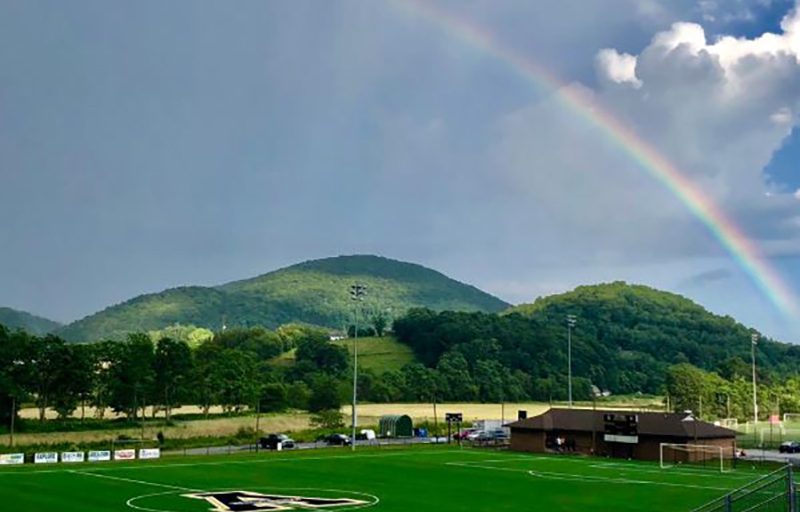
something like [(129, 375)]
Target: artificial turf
[(387, 479)]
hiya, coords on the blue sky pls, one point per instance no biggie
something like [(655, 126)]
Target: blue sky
[(148, 145)]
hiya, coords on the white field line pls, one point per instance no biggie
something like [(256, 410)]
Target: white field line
[(584, 478), (133, 481), (687, 471), (613, 480), (110, 466)]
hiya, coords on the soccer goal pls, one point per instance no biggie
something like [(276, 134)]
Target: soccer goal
[(791, 417), (732, 423), (716, 458)]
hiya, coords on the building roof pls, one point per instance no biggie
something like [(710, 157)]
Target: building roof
[(650, 423)]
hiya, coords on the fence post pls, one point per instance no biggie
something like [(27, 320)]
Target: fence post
[(790, 489), (728, 503)]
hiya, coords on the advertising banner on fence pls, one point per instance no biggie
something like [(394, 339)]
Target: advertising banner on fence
[(125, 455), (12, 458), (149, 453), (46, 458), (72, 457), (99, 456)]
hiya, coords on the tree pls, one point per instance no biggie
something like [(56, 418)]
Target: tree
[(73, 378), (323, 355), (47, 356), (274, 397), (173, 367), (207, 381), (324, 394), (132, 375)]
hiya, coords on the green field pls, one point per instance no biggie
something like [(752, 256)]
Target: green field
[(377, 354), (387, 479)]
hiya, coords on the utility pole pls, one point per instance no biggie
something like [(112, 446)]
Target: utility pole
[(570, 324), (754, 339), (13, 416), (357, 292)]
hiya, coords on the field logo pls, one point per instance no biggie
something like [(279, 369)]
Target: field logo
[(235, 501)]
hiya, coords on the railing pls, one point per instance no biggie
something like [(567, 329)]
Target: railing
[(775, 491)]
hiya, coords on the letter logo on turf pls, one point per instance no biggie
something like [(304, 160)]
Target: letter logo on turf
[(235, 501)]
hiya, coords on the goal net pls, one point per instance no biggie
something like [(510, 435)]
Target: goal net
[(715, 458), (732, 423)]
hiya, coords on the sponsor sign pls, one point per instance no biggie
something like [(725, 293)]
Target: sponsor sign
[(46, 458), (72, 456), (125, 455), (246, 500), (453, 417), (612, 438), (12, 458), (99, 456), (149, 453)]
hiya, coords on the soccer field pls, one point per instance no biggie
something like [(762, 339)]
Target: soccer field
[(385, 479)]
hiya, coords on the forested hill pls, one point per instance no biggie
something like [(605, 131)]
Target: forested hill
[(638, 320), (14, 319), (624, 340), (315, 292)]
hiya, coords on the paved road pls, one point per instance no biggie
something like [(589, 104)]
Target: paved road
[(754, 454), (226, 450)]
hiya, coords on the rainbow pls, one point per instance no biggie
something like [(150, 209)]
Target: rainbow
[(743, 251)]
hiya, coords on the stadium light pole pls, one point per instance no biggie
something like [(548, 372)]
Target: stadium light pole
[(754, 341), (570, 324), (357, 292)]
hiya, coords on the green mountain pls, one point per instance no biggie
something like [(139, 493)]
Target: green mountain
[(641, 325), (624, 340), (314, 292), (14, 319)]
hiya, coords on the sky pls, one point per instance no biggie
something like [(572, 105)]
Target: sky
[(146, 145)]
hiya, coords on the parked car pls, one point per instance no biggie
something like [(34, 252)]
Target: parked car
[(499, 434), (789, 447), (366, 434), (271, 441), (475, 434), (337, 440), (463, 434)]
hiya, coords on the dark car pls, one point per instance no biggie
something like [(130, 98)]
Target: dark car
[(271, 441), (336, 440), (789, 447)]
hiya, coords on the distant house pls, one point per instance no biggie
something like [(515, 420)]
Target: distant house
[(625, 434)]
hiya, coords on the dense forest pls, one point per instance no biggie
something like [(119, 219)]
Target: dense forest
[(315, 292), (627, 339)]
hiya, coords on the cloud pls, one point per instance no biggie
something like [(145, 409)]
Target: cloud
[(617, 67), (704, 278)]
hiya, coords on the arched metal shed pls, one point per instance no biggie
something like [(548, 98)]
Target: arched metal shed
[(396, 426)]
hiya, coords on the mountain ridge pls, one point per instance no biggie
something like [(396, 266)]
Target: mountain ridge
[(34, 324), (314, 292)]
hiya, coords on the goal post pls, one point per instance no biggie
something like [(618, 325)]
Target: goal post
[(732, 423), (717, 458), (791, 417)]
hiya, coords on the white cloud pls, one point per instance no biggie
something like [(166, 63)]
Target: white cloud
[(617, 67)]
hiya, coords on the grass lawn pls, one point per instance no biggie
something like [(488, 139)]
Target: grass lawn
[(388, 479)]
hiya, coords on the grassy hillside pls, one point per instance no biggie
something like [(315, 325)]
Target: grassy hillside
[(377, 354), (314, 292), (14, 319)]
